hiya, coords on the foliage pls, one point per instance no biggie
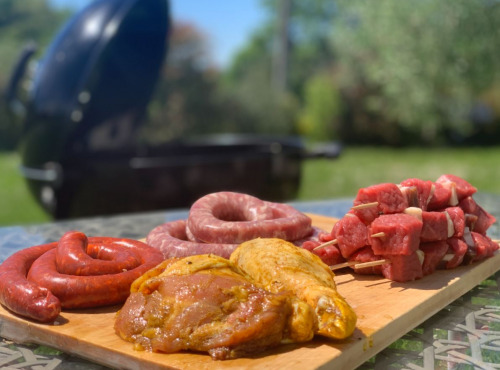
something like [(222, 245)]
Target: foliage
[(184, 102), (21, 22), (321, 108), (423, 65)]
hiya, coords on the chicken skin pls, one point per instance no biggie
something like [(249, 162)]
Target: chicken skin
[(203, 303), (279, 266)]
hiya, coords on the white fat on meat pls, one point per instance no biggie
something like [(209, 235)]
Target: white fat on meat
[(414, 211), (421, 256), (453, 197), (431, 194), (451, 228)]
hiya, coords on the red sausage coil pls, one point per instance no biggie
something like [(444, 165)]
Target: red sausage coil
[(38, 281)]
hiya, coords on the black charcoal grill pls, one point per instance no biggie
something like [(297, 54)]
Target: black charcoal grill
[(79, 149)]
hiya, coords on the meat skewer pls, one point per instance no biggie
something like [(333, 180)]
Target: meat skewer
[(365, 205), (358, 265), (326, 244)]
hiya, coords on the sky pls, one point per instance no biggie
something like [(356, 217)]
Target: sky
[(228, 23)]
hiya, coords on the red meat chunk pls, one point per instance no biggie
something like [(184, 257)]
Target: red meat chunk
[(440, 197), (456, 247), (351, 234), (389, 197), (403, 268), (484, 219), (330, 254), (484, 247), (401, 234), (363, 255), (462, 187), (424, 188), (434, 253), (457, 217), (434, 226), (411, 195)]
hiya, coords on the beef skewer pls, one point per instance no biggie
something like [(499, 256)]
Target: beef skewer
[(359, 265)]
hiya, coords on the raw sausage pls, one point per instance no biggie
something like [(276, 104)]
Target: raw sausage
[(22, 296), (172, 240), (228, 217), (32, 285), (85, 291), (75, 256)]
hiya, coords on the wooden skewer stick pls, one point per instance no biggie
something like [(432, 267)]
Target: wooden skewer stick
[(370, 264), (365, 205), (342, 265), (359, 265), (378, 235), (496, 241), (331, 242)]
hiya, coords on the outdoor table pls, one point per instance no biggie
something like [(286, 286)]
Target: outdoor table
[(463, 335)]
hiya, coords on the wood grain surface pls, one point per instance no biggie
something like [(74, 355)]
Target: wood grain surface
[(386, 310)]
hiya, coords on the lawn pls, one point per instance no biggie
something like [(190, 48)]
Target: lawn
[(357, 167)]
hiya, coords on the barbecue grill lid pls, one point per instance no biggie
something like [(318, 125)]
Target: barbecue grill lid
[(102, 66)]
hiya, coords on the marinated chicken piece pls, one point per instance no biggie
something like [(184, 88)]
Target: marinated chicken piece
[(279, 266), (203, 303)]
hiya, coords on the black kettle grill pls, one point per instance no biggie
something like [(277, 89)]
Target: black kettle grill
[(79, 148)]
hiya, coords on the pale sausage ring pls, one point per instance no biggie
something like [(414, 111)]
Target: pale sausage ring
[(171, 238), (233, 218), (41, 289)]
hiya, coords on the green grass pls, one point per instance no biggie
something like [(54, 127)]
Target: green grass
[(17, 206), (322, 179), (361, 166)]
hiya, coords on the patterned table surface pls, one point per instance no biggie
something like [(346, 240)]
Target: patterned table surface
[(464, 335)]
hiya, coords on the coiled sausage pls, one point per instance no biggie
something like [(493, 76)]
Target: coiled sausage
[(22, 296), (172, 240), (32, 284), (232, 218)]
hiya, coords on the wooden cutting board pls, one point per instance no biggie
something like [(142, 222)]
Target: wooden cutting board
[(386, 311)]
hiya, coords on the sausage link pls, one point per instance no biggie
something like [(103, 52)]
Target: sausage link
[(76, 291), (25, 297), (32, 285), (75, 256), (232, 218), (172, 240)]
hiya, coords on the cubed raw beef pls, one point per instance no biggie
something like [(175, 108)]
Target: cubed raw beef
[(434, 226), (440, 197), (363, 255), (388, 197), (457, 217), (401, 234), (457, 248), (462, 187), (330, 254), (484, 219), (411, 195), (351, 234), (484, 246), (434, 253), (403, 268), (424, 188)]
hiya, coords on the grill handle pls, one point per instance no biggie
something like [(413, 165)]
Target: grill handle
[(328, 150), (13, 102)]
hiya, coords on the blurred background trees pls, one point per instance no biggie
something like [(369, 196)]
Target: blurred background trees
[(21, 22), (394, 72)]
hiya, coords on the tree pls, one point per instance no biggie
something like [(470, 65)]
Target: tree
[(422, 65), (22, 22), (185, 102)]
